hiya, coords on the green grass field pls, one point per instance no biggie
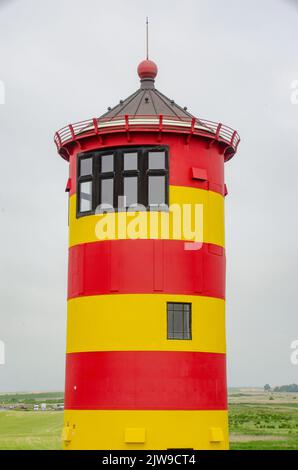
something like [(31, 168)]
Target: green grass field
[(257, 421), (30, 430), (266, 427)]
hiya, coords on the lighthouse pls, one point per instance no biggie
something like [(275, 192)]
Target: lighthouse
[(146, 349)]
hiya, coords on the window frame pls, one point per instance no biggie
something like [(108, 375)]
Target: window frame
[(100, 175), (83, 179), (119, 173), (131, 173), (156, 172), (190, 320)]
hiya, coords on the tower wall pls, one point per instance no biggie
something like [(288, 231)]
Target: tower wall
[(127, 385)]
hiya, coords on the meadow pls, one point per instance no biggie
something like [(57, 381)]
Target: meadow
[(30, 430), (258, 420), (263, 420)]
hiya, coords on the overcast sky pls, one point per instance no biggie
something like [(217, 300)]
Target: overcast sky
[(63, 61)]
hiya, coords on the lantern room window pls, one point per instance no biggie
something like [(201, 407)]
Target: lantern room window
[(118, 179), (85, 185), (86, 196)]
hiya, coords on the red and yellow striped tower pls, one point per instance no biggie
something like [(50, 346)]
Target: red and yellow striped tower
[(146, 366)]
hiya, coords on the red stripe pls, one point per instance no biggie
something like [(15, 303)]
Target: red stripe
[(146, 266), (182, 158), (146, 380)]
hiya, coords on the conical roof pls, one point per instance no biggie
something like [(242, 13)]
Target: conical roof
[(147, 100), (139, 110)]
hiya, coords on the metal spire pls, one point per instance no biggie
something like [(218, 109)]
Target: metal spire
[(147, 41)]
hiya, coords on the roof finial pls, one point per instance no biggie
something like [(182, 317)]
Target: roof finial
[(147, 36), (147, 69)]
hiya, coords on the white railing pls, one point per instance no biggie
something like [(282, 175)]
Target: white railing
[(159, 123)]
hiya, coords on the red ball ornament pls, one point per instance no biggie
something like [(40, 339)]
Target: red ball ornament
[(147, 69)]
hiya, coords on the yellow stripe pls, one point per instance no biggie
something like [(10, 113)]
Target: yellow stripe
[(149, 429), (139, 322), (87, 229)]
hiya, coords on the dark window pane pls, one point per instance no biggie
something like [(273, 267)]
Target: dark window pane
[(130, 161), (156, 190), (107, 192), (178, 307), (179, 318), (131, 190), (156, 160), (170, 324), (178, 335), (85, 166), (107, 163), (186, 307), (186, 325), (86, 196), (178, 322)]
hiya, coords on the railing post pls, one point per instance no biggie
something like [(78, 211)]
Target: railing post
[(160, 122), (127, 127), (96, 129), (95, 125), (218, 130), (59, 140), (160, 127), (192, 128), (72, 131), (233, 137)]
